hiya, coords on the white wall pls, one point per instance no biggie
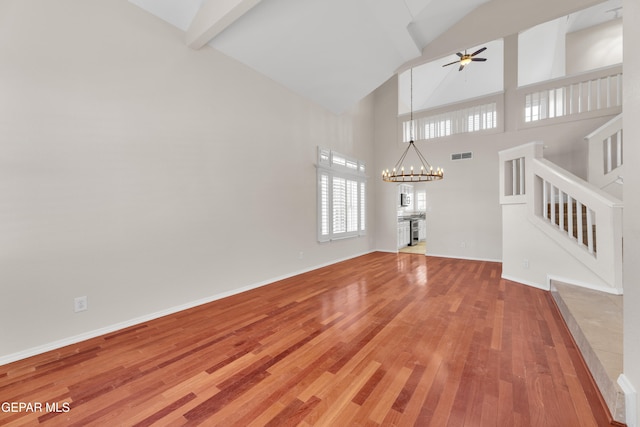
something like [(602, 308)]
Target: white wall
[(435, 85), (463, 212), (542, 52), (631, 231), (532, 257), (594, 47), (387, 149), (146, 175)]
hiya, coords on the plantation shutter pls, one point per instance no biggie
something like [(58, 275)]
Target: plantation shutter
[(339, 205), (341, 196)]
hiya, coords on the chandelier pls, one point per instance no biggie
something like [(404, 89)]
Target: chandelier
[(425, 172)]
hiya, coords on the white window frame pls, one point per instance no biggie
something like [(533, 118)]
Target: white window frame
[(341, 183), (463, 120)]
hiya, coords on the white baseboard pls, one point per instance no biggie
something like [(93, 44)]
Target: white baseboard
[(630, 400), (33, 351), (591, 286), (464, 257), (525, 282), (385, 251)]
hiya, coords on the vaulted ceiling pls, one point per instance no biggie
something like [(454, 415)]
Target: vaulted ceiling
[(335, 52)]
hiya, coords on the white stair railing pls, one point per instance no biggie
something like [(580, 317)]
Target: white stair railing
[(552, 196), (606, 153)]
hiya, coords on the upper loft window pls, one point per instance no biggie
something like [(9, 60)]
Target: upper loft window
[(464, 120)]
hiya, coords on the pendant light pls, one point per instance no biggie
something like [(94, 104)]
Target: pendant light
[(425, 173)]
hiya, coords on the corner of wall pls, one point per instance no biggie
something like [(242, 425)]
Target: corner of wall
[(630, 400)]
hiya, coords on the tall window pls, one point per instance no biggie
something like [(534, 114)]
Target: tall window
[(341, 196)]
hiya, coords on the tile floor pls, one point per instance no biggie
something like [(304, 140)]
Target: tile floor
[(595, 321), (420, 248)]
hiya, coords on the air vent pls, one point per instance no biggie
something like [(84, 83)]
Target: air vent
[(462, 156)]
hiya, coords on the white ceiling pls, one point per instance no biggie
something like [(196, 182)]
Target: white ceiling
[(335, 52)]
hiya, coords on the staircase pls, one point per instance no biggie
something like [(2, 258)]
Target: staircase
[(573, 226), (579, 226), (551, 219)]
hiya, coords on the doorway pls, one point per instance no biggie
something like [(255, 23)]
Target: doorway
[(411, 218)]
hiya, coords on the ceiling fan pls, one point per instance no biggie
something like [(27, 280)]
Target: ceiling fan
[(466, 58)]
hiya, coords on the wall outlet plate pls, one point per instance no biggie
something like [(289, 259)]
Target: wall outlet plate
[(80, 304)]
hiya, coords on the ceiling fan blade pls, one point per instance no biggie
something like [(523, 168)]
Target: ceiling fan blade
[(459, 54), (482, 49), (479, 59), (451, 63), (461, 67)]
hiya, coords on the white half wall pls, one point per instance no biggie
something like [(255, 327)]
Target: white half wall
[(531, 257)]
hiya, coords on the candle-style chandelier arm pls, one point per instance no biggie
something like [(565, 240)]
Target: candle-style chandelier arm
[(426, 172)]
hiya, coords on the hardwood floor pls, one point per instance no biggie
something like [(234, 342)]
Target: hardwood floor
[(383, 339)]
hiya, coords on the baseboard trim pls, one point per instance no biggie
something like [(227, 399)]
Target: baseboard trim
[(525, 282), (586, 285), (54, 345), (464, 257)]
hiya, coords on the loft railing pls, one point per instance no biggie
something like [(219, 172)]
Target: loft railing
[(569, 210), (594, 93), (606, 153)]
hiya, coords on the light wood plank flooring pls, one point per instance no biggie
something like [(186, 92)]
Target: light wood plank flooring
[(382, 339)]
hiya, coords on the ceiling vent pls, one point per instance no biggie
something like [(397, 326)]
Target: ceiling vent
[(462, 156)]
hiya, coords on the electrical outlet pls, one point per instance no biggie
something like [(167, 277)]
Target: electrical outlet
[(80, 304), (525, 263), (463, 244), (300, 255)]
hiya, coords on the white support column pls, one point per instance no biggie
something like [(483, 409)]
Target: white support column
[(579, 220), (590, 230), (570, 215), (522, 176), (545, 200), (609, 159), (552, 200), (561, 209), (570, 99), (619, 148), (514, 178)]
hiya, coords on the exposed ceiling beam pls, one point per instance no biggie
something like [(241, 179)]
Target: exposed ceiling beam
[(213, 17)]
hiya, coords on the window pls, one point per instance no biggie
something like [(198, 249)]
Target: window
[(421, 201), (341, 196), (470, 119)]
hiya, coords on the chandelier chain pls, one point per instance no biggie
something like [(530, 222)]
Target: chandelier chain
[(426, 172)]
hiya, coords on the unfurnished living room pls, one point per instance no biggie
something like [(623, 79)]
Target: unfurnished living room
[(319, 213)]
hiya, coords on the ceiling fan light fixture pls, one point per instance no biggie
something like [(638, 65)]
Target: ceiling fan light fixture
[(466, 58)]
